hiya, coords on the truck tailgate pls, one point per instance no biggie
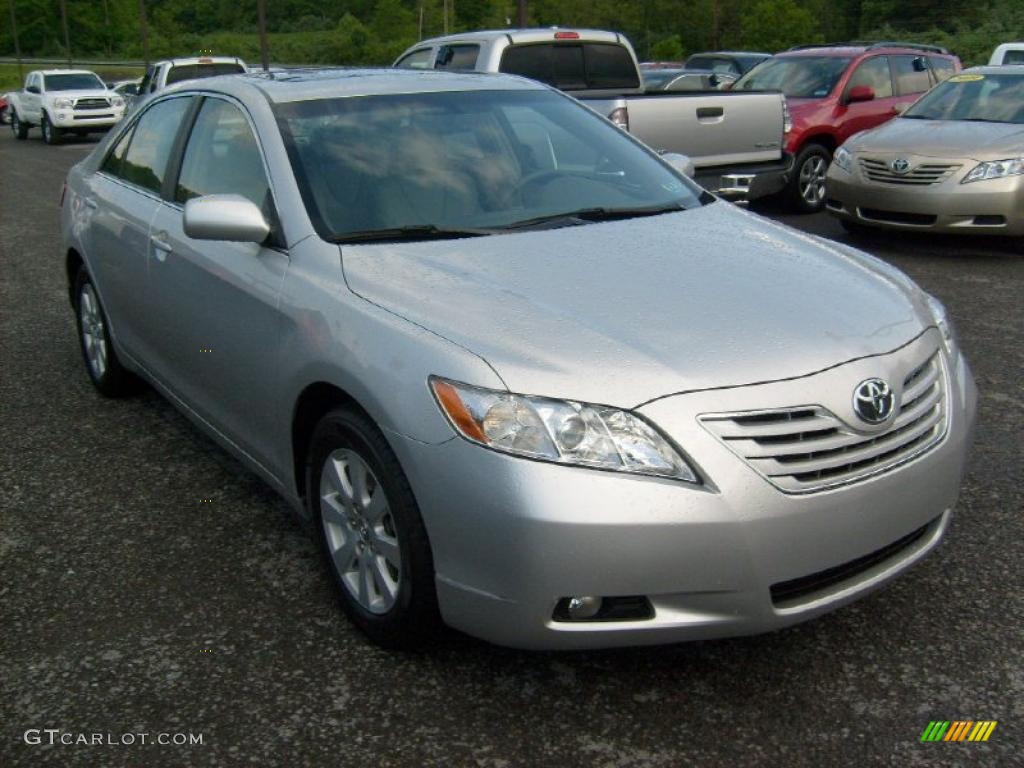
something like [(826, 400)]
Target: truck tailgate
[(713, 128)]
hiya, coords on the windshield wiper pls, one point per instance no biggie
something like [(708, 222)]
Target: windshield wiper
[(982, 120), (916, 117), (572, 218), (408, 233)]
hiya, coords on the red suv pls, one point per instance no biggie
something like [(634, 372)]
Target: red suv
[(835, 91)]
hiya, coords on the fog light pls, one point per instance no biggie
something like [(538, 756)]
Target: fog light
[(583, 607)]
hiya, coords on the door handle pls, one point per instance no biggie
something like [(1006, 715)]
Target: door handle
[(704, 113), (160, 245), (90, 203)]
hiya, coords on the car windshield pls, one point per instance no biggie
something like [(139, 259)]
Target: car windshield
[(407, 166), (799, 77), (78, 81), (977, 97), (655, 79)]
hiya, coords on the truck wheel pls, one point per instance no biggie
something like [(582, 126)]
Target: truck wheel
[(51, 135), (18, 128), (807, 187)]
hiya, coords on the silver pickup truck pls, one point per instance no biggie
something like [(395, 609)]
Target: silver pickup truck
[(735, 140)]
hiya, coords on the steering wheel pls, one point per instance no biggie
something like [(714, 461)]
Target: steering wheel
[(536, 178)]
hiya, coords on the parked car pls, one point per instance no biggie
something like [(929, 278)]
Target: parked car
[(64, 100), (734, 140), (953, 162), (838, 90), (521, 374), (685, 80), (735, 63), (127, 89), (1007, 53), (5, 116), (645, 65), (164, 73)]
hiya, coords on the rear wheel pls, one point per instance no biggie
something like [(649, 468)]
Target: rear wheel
[(370, 531), (101, 361), (51, 135), (807, 187), (18, 128)]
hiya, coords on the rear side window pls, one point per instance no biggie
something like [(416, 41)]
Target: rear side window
[(875, 74), (911, 74), (115, 159), (222, 157), (573, 66), (196, 71), (457, 57), (1013, 57), (145, 162)]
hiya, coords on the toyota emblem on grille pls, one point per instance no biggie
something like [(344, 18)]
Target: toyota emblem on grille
[(900, 165), (873, 401)]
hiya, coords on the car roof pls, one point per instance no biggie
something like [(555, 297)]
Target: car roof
[(995, 69), (857, 50), (525, 35), (730, 53), (66, 72), (318, 83), (202, 60)]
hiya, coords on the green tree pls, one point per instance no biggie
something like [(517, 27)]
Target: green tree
[(775, 25)]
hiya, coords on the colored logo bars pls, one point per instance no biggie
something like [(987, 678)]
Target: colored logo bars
[(958, 730)]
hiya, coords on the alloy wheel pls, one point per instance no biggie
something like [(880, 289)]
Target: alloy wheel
[(812, 179), (94, 338), (360, 531)]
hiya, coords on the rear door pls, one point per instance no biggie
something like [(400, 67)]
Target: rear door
[(215, 301), (911, 76), (123, 197), (874, 73)]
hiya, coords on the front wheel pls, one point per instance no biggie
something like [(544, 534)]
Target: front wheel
[(51, 135), (807, 187), (370, 531), (18, 128)]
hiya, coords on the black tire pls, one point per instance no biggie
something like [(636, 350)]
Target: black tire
[(51, 135), (807, 186), (18, 128), (413, 619), (110, 379)]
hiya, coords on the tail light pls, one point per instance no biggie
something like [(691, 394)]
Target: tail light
[(567, 35), (620, 117), (787, 117)]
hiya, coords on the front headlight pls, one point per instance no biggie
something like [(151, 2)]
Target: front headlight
[(995, 169), (945, 325), (63, 103), (560, 431), (116, 101), (843, 159)]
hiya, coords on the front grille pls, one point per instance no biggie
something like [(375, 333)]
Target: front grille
[(920, 176), (97, 103), (91, 117), (808, 448), (787, 593)]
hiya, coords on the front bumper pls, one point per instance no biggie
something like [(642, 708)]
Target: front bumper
[(512, 537), (91, 119), (992, 207), (749, 182)]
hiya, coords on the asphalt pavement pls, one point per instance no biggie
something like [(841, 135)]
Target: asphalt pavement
[(149, 585)]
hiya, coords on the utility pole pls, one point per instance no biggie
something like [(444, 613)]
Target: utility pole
[(106, 27), (144, 31), (421, 20), (444, 14), (14, 32), (64, 21), (261, 12), (521, 14)]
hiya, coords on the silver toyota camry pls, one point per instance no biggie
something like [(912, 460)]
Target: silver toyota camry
[(519, 373)]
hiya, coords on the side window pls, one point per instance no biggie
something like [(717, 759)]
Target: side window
[(115, 160), (145, 162), (941, 68), (911, 74), (873, 73), (457, 57), (222, 157), (417, 59)]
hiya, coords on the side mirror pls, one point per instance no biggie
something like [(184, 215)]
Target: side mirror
[(860, 93), (33, 89), (225, 217), (681, 163)]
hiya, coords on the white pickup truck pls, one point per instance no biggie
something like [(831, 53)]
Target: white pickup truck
[(735, 140), (63, 100)]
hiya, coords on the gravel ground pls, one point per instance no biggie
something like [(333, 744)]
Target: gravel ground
[(132, 605)]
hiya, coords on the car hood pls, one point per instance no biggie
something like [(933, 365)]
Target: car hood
[(94, 93), (624, 312), (943, 138)]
